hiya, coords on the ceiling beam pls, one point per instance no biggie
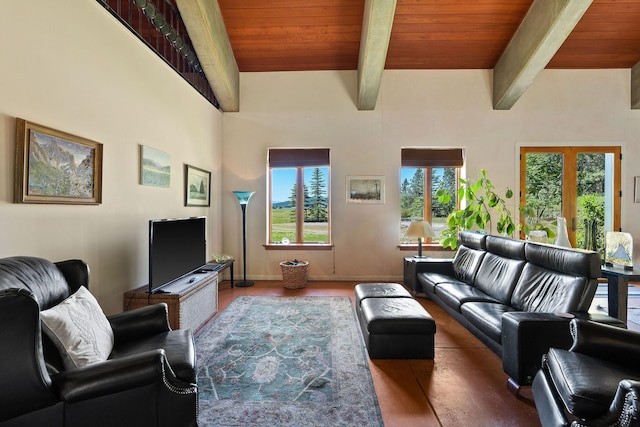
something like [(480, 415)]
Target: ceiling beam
[(209, 38), (635, 87), (374, 43), (543, 30)]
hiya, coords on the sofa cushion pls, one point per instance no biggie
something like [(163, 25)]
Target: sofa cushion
[(38, 275), (543, 290), (466, 262), (430, 281), (487, 317), (497, 276), (79, 329), (585, 384), (456, 294)]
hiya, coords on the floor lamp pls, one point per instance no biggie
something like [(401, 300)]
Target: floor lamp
[(243, 199), (421, 230)]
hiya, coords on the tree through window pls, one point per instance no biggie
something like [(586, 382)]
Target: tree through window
[(425, 170), (299, 196)]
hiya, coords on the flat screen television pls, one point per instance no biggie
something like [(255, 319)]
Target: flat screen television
[(177, 247)]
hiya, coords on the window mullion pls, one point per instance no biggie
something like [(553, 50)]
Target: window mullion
[(300, 205)]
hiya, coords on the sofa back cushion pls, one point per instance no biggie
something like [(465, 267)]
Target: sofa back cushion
[(557, 279), (466, 262), (543, 290), (38, 275), (501, 267)]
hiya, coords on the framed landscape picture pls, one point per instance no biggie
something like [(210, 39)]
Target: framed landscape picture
[(365, 189), (155, 167), (197, 186), (56, 167)]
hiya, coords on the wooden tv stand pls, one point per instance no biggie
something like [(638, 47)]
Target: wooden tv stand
[(192, 300)]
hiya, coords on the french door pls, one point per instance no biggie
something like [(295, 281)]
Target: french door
[(581, 184)]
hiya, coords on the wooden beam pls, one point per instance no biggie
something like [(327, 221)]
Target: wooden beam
[(543, 30), (374, 43), (635, 87), (209, 37)]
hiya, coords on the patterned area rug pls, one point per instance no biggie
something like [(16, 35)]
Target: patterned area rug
[(285, 361)]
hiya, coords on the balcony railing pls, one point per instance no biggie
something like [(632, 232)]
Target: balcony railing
[(159, 25)]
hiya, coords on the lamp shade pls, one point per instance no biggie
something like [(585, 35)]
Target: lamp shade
[(420, 229), (244, 196)]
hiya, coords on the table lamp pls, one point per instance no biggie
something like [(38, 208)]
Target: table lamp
[(243, 199), (421, 230)]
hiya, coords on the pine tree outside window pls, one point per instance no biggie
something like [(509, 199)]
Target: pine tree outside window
[(423, 171), (299, 197)]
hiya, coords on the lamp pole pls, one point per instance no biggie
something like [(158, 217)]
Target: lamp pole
[(243, 199)]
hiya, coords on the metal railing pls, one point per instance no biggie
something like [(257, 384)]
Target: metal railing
[(159, 25)]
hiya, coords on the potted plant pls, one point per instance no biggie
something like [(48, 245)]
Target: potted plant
[(480, 200), (533, 222)]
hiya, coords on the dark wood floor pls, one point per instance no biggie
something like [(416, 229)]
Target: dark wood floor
[(463, 386)]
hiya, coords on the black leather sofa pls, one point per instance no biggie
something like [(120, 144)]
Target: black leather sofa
[(149, 379), (594, 383), (517, 297)]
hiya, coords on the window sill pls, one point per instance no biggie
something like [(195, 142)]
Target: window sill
[(426, 247), (298, 246)]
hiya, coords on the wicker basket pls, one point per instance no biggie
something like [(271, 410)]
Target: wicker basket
[(295, 276)]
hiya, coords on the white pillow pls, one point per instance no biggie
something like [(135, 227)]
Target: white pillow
[(79, 329)]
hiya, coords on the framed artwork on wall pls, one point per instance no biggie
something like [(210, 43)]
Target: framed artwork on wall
[(636, 189), (197, 186), (56, 167), (155, 167), (365, 189)]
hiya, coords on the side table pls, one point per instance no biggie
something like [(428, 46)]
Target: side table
[(618, 289), (219, 267)]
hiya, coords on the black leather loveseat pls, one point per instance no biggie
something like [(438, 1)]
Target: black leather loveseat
[(148, 379), (517, 297)]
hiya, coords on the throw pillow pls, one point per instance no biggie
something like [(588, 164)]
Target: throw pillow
[(79, 329)]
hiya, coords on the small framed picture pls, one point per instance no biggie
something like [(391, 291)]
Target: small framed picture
[(197, 186), (155, 167), (56, 167), (636, 189), (365, 189)]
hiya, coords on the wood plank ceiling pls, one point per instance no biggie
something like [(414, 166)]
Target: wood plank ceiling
[(305, 35)]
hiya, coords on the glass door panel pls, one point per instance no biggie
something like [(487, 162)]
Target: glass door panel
[(543, 193)]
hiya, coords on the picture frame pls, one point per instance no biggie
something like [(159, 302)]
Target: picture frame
[(56, 167), (197, 186), (155, 167), (367, 189), (636, 189)]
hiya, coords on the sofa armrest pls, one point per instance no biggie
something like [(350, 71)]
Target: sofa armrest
[(113, 376), (625, 406), (139, 322), (526, 337), (435, 265), (606, 342)]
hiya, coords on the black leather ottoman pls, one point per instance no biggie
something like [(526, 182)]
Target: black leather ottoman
[(396, 328)]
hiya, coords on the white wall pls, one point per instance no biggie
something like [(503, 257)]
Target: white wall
[(69, 65), (414, 108)]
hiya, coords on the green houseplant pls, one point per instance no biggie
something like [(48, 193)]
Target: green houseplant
[(480, 200)]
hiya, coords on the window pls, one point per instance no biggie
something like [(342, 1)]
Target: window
[(299, 196), (425, 170), (581, 184)]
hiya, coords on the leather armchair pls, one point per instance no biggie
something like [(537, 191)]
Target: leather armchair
[(149, 378), (594, 383)]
